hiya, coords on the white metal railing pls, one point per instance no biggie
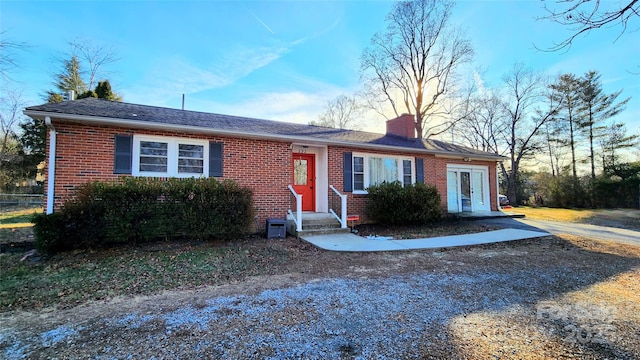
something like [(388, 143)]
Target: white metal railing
[(343, 208), (297, 218)]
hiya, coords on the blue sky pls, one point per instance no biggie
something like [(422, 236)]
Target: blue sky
[(283, 60)]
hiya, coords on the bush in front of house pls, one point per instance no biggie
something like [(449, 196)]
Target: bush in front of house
[(133, 210), (392, 203)]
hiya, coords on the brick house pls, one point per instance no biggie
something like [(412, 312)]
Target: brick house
[(293, 169)]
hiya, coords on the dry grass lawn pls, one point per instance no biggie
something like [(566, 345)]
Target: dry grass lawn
[(622, 218)]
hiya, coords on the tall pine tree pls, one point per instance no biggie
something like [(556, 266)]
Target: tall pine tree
[(68, 79), (566, 91), (597, 107)]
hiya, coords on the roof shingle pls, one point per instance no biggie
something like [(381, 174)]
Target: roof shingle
[(98, 108)]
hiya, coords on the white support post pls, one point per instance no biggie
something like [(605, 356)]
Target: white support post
[(299, 212), (343, 215)]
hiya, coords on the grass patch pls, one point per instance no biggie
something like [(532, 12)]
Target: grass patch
[(17, 218), (70, 278), (623, 218), (553, 214)]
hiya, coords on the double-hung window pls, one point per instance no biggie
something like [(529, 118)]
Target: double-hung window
[(169, 157), (373, 169)]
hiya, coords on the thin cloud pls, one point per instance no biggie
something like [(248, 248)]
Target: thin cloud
[(259, 20), (179, 76)]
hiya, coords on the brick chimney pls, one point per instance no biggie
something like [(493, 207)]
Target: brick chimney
[(404, 126)]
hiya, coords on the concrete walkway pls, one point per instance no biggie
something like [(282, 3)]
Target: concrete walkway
[(351, 242)]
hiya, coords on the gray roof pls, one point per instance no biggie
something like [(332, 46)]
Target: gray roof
[(143, 116)]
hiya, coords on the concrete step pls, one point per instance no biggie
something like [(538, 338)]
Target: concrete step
[(322, 232), (316, 224), (332, 225)]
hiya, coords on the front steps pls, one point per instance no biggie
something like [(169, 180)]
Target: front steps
[(316, 224)]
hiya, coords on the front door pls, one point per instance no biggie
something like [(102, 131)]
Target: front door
[(467, 189), (304, 176)]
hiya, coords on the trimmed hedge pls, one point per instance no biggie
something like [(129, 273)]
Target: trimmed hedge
[(135, 210), (392, 203)]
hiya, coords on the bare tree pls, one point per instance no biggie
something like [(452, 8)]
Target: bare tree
[(11, 152), (528, 107), (556, 146), (411, 67), (94, 57), (10, 106), (7, 61), (343, 112), (82, 70), (582, 16), (484, 123)]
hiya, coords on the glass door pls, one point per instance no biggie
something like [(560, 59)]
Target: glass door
[(465, 190)]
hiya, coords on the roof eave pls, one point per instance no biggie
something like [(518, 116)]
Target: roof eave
[(100, 120)]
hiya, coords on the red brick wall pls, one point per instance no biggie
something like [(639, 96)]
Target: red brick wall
[(86, 153), (435, 173)]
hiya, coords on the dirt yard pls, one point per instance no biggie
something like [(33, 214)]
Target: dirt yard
[(545, 298)]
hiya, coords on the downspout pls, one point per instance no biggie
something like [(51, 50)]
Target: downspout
[(498, 206), (52, 165)]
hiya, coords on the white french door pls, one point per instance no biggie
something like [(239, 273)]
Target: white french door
[(467, 189)]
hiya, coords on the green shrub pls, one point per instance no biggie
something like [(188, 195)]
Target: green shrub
[(49, 232), (392, 203), (134, 210)]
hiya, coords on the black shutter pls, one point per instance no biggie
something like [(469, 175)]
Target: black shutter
[(419, 170), (215, 159), (348, 171), (123, 154)]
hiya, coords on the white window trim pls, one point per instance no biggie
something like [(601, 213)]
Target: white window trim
[(366, 157), (172, 156)]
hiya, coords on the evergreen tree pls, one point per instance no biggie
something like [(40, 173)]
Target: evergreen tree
[(102, 91), (566, 91), (597, 107), (68, 79), (616, 138), (33, 141)]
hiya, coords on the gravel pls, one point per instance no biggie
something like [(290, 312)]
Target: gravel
[(384, 318), (535, 299)]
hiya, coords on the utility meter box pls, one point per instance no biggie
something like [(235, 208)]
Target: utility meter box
[(276, 228)]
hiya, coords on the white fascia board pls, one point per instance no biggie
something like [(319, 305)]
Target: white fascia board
[(149, 125), (471, 157)]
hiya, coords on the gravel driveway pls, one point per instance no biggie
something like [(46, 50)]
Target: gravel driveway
[(469, 303)]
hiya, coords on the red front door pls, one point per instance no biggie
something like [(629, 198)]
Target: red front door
[(304, 178)]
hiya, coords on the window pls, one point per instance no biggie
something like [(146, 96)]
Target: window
[(165, 156), (375, 169), (190, 159), (153, 156), (300, 172), (406, 171), (358, 173)]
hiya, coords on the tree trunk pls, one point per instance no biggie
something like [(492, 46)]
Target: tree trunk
[(574, 199)]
